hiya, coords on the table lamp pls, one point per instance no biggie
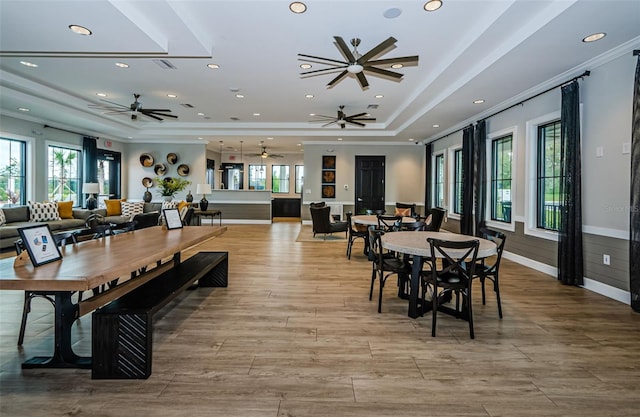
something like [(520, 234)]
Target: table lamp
[(91, 188), (203, 189)]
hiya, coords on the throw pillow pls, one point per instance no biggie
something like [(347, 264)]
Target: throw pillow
[(43, 212), (181, 205), (113, 207), (3, 220), (183, 211), (65, 209), (131, 208), (404, 212)]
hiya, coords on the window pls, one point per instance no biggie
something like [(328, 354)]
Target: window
[(548, 198), (63, 174), (501, 169), (458, 179), (12, 171), (257, 177), (280, 179), (439, 179), (299, 178)]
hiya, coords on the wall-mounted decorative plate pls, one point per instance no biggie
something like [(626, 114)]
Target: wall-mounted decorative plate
[(147, 182), (146, 160), (183, 170), (160, 169), (172, 158)]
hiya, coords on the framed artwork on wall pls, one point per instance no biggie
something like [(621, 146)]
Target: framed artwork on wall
[(329, 176)]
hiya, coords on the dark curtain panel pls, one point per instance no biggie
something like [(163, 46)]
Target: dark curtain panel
[(428, 181), (634, 238), (570, 263), (89, 163), (480, 178), (466, 219)]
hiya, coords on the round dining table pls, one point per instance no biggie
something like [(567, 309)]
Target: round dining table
[(415, 244), (372, 219)]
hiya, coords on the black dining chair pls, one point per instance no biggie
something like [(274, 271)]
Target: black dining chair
[(389, 223), (489, 268), (354, 234), (453, 274), (434, 219), (60, 239), (384, 265)]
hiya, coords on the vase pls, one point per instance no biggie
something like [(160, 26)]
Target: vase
[(189, 197), (147, 196), (167, 197)]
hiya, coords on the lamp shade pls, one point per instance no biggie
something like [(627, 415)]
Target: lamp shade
[(90, 188), (203, 189)]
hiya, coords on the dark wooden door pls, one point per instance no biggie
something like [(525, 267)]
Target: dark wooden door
[(369, 183)]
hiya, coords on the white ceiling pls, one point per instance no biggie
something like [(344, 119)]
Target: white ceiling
[(469, 49)]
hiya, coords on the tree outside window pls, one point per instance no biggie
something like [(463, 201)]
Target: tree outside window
[(458, 181), (299, 178), (439, 179), (549, 165), (501, 176), (280, 179), (12, 169), (257, 177), (63, 179)]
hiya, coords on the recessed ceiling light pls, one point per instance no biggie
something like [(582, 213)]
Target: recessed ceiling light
[(299, 144), (436, 125), (433, 5), (339, 138), (122, 65), (478, 101), (200, 114), (23, 109), (269, 138), (28, 64), (312, 114), (305, 66), (379, 96), (239, 95), (199, 138), (397, 66), (101, 94), (256, 114), (392, 13), (594, 37), (308, 96), (171, 95), (298, 7), (411, 139), (80, 30), (213, 66)]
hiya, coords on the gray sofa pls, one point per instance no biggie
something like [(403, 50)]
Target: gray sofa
[(18, 217)]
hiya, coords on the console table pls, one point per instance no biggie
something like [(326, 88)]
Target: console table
[(199, 214)]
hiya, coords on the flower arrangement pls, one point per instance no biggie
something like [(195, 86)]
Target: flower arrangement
[(168, 187)]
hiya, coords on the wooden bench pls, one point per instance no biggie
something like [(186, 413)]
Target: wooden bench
[(122, 330)]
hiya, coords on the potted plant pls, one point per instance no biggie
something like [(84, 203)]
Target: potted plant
[(168, 187)]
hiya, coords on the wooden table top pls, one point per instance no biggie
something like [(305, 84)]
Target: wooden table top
[(372, 219), (415, 243), (95, 262)]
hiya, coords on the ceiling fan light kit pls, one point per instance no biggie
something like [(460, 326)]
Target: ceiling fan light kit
[(341, 119)]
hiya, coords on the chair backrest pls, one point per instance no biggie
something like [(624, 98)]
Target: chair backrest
[(402, 207), (389, 223), (437, 215), (144, 220), (375, 245), (499, 239), (318, 204), (320, 219), (461, 264)]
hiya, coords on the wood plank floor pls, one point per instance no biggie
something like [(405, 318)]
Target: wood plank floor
[(294, 334)]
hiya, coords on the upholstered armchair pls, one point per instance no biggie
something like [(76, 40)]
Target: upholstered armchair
[(322, 223)]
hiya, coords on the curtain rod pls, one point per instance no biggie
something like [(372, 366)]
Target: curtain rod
[(584, 74), (71, 131)]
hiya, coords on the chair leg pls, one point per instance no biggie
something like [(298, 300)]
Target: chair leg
[(373, 279), (470, 312), (380, 295), (434, 301), (496, 288), (484, 299)]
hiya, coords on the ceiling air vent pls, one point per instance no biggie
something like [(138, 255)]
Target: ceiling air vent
[(164, 64), (372, 106), (187, 105)]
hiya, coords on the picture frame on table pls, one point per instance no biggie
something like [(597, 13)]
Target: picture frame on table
[(40, 244), (172, 218)]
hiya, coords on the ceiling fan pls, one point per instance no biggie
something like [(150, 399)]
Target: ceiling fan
[(341, 120), (358, 64), (134, 109), (264, 154)]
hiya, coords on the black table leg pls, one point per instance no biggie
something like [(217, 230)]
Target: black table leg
[(63, 356), (415, 304)]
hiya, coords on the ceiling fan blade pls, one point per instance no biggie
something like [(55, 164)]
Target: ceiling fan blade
[(155, 110), (344, 49), (407, 60), (115, 104), (356, 115), (355, 123), (362, 80), (384, 72), (338, 78), (160, 114), (362, 119), (151, 115), (324, 59), (330, 123), (377, 50), (324, 70)]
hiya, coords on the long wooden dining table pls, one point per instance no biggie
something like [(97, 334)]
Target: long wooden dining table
[(415, 244), (93, 264)]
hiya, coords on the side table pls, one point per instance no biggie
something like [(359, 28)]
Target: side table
[(199, 214)]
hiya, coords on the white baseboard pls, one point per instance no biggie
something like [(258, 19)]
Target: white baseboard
[(589, 284)]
